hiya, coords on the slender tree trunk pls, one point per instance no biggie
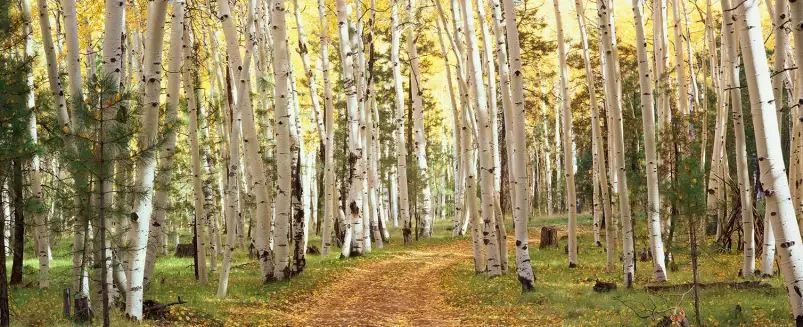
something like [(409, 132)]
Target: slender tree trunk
[(419, 138), (730, 44), (568, 162), (599, 150), (329, 173), (614, 105), (653, 197), (164, 176), (485, 142), (152, 77), (401, 144), (768, 146), (189, 73), (520, 213), (40, 228)]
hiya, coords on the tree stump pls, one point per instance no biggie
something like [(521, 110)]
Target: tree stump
[(82, 311), (185, 250), (66, 303), (549, 237)]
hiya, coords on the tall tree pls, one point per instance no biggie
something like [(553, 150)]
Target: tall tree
[(485, 143), (610, 51), (568, 134), (149, 127), (768, 145), (648, 120), (520, 213), (401, 143)]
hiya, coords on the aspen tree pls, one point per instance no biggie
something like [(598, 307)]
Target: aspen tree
[(189, 74), (609, 50), (730, 44), (419, 140), (485, 143), (796, 23), (149, 123), (164, 175), (599, 150), (328, 105), (520, 213), (40, 229), (80, 275), (456, 124), (486, 56), (401, 144), (648, 120), (768, 146), (571, 196), (355, 205)]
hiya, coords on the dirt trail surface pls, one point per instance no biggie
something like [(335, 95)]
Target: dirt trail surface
[(401, 289)]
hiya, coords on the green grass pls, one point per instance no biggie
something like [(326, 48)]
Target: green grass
[(174, 277), (562, 296), (566, 295)]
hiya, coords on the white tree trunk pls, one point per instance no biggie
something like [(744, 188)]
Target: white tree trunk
[(328, 105), (40, 228), (486, 144), (568, 162), (730, 43), (614, 106), (189, 76), (520, 212), (599, 149), (401, 142), (143, 208), (355, 149), (458, 181), (419, 137), (156, 245), (680, 69), (648, 120), (768, 146)]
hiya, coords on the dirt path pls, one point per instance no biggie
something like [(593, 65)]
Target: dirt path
[(401, 290)]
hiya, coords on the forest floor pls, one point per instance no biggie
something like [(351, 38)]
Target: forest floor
[(431, 283)]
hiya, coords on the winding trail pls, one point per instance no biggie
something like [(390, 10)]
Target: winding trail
[(403, 289)]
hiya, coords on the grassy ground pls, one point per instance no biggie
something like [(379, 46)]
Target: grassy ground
[(562, 296), (174, 277)]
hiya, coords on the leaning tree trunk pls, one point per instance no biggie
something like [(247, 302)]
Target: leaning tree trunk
[(599, 150), (615, 106), (401, 141), (648, 120), (568, 162), (458, 179), (157, 244), (520, 213), (796, 11), (485, 142), (149, 126), (768, 146)]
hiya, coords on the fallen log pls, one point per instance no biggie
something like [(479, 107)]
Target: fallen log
[(601, 287), (683, 287), (154, 310)]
